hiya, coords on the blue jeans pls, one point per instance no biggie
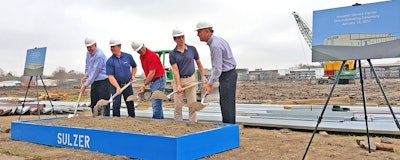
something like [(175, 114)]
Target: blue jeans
[(156, 104)]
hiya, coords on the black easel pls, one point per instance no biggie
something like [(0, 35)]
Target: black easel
[(37, 96), (364, 105)]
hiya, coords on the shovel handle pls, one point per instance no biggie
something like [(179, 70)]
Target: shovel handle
[(79, 97), (190, 86), (184, 88), (122, 89), (204, 97), (126, 86)]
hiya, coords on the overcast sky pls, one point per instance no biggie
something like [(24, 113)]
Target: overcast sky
[(262, 34)]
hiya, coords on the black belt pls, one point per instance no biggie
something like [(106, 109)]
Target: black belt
[(185, 76), (102, 80), (123, 84), (229, 70)]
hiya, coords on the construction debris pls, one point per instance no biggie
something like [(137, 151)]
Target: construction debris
[(363, 143), (333, 100), (323, 133), (5, 129)]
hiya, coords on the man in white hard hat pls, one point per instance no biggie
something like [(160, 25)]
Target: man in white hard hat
[(223, 70), (121, 69), (182, 59), (95, 74), (154, 71)]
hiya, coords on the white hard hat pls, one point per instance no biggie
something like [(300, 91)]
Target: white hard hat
[(114, 42), (89, 41), (137, 46), (202, 24), (177, 32)]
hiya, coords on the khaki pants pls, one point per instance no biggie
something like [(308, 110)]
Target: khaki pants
[(189, 94)]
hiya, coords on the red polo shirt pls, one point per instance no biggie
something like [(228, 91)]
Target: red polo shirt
[(150, 61)]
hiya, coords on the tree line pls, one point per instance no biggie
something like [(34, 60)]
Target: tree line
[(60, 74)]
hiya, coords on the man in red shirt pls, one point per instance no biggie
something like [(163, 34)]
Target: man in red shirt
[(154, 71)]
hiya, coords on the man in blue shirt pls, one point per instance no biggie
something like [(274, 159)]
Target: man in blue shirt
[(182, 60), (121, 68), (95, 75), (223, 70)]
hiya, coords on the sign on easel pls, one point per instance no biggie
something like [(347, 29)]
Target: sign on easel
[(367, 31), (34, 63)]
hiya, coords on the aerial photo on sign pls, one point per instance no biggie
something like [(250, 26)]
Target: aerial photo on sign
[(34, 63)]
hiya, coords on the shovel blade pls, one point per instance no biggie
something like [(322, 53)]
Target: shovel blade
[(132, 98), (71, 115), (99, 107), (101, 102), (158, 95), (195, 106), (97, 110)]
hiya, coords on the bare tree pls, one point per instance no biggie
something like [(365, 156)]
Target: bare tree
[(9, 76), (60, 73), (2, 73)]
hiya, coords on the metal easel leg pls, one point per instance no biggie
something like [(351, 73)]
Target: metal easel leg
[(26, 94), (323, 110), (383, 93), (365, 107), (48, 96)]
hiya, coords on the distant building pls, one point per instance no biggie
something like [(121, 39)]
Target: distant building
[(382, 71), (263, 75), (243, 74), (10, 83), (301, 74), (48, 82)]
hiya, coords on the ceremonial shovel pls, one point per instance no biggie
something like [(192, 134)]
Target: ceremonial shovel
[(160, 95), (197, 106), (76, 107), (101, 103)]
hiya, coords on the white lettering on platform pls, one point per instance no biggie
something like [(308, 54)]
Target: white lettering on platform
[(73, 140)]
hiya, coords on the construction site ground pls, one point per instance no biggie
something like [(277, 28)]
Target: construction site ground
[(255, 142)]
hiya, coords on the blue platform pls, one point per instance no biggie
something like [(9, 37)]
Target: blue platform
[(133, 145)]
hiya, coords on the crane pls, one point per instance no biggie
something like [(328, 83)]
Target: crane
[(304, 29), (330, 68)]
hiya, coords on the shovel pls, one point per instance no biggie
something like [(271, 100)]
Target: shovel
[(197, 106), (133, 98), (160, 95), (102, 102), (76, 107)]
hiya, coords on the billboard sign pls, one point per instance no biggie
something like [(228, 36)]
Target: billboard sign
[(34, 63), (367, 31)]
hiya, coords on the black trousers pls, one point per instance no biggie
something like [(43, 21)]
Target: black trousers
[(117, 101), (99, 90), (227, 96)]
